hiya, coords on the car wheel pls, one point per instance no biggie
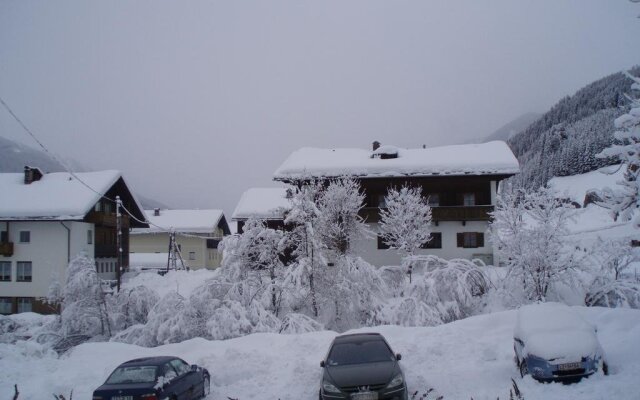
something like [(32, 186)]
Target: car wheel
[(523, 368), (206, 387)]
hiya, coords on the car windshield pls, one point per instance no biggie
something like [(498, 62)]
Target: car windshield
[(359, 353), (133, 374)]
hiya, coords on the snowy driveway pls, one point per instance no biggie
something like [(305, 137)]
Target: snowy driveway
[(472, 357)]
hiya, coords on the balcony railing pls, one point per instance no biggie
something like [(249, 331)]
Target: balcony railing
[(6, 249), (440, 213)]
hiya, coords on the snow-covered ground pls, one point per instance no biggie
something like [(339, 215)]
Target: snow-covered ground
[(467, 358)]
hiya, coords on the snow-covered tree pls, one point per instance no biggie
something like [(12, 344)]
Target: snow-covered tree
[(531, 234), (84, 309), (625, 200), (339, 224), (308, 248), (132, 306), (612, 257), (405, 224), (254, 255)]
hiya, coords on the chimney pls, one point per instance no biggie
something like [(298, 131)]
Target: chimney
[(376, 145), (31, 174), (156, 212)]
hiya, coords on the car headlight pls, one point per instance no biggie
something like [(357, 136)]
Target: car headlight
[(396, 381), (329, 387)]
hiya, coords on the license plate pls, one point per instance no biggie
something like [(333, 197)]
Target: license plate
[(365, 396), (569, 366), (121, 397)]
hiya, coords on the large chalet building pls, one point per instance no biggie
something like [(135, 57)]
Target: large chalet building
[(48, 219), (461, 183)]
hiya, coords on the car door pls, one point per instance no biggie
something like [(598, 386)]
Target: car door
[(185, 381), (171, 384)]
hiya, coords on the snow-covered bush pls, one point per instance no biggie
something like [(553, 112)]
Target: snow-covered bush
[(84, 309), (132, 306), (613, 293), (299, 323), (530, 230), (612, 257), (441, 291)]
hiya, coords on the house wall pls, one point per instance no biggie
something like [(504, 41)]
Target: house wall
[(159, 243), (368, 248), (49, 250)]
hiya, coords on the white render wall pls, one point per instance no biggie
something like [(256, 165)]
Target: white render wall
[(368, 248), (47, 251)]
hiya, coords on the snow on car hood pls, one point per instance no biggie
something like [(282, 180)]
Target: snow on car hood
[(567, 346)]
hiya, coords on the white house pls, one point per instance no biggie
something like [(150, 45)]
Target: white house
[(461, 183), (266, 204), (47, 219), (198, 233)]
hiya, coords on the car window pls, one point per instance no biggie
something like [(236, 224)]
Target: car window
[(359, 352), (134, 374), (180, 366), (168, 372)]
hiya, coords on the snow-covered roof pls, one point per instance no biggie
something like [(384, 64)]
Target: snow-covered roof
[(554, 330), (195, 221), (263, 203), (492, 158), (57, 195)]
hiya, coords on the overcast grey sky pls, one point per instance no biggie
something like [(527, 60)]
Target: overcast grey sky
[(196, 101)]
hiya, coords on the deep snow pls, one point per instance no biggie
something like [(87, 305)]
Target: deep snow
[(470, 357)]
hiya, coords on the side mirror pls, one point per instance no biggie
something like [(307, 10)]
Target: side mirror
[(322, 364), (398, 356), (194, 367)]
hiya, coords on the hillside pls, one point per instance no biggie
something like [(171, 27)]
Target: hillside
[(565, 140)]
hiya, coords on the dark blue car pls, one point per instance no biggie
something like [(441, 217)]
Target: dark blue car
[(155, 378)]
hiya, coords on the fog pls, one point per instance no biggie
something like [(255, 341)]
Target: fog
[(197, 101)]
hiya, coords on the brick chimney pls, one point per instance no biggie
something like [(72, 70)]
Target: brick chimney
[(31, 174), (376, 145)]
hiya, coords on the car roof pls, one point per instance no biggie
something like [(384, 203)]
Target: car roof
[(358, 338), (152, 361)]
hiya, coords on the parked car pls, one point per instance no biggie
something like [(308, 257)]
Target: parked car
[(554, 343), (362, 367), (155, 378)]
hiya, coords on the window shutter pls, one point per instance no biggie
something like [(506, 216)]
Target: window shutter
[(480, 239), (460, 237)]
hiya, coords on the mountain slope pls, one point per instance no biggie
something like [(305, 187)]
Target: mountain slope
[(565, 140), (14, 156)]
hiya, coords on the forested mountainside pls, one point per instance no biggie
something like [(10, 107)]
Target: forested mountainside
[(565, 140)]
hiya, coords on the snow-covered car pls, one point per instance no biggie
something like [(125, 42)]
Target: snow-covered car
[(155, 378), (362, 367), (554, 343)]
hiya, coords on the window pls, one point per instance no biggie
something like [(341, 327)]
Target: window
[(469, 199), (5, 271), (212, 243), (192, 255), (435, 242), (180, 366), (470, 239), (89, 236), (25, 304), (381, 201), (5, 305), (381, 244), (433, 200), (25, 236), (24, 271), (4, 236)]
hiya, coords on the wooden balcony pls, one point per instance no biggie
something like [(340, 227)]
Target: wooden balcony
[(447, 213), (6, 249), (109, 220)]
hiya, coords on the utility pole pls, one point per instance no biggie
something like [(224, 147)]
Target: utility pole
[(118, 242)]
